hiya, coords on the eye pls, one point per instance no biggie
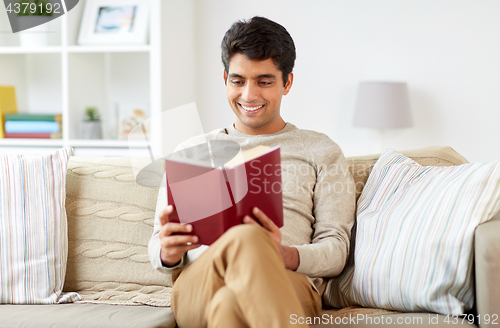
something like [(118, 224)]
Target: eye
[(236, 82), (264, 83)]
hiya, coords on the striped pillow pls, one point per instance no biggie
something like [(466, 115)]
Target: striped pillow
[(415, 228), (33, 229)]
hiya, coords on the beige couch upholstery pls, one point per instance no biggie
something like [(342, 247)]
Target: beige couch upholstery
[(110, 220)]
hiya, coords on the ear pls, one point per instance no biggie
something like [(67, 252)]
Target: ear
[(288, 84), (225, 77)]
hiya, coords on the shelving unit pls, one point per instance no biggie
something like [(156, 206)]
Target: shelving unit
[(65, 77)]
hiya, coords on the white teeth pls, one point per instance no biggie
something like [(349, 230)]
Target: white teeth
[(251, 109)]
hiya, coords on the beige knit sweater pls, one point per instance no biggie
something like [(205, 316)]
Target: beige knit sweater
[(318, 199)]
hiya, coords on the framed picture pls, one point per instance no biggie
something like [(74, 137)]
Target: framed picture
[(114, 22), (129, 117)]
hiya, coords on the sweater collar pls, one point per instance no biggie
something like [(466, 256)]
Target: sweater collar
[(231, 130)]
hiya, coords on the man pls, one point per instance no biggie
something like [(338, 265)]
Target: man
[(257, 275)]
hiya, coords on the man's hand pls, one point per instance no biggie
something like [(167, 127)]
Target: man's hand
[(173, 247), (290, 254)]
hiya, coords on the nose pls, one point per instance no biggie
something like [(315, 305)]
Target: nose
[(249, 92)]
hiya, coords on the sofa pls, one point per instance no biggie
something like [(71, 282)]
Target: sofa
[(110, 220)]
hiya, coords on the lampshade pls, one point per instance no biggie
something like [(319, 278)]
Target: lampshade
[(382, 105)]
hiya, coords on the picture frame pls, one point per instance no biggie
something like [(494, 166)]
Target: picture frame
[(116, 22), (129, 116)]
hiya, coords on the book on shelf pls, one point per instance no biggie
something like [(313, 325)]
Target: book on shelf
[(34, 135), (34, 117), (215, 197), (32, 126), (8, 104)]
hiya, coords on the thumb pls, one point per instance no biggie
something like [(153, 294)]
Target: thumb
[(165, 213)]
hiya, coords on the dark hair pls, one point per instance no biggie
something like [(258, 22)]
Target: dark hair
[(259, 39)]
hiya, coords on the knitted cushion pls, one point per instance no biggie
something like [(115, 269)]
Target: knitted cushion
[(110, 222)]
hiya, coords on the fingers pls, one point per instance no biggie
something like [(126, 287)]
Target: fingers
[(174, 246), (165, 213), (248, 220), (179, 240), (170, 228), (264, 220), (172, 255), (184, 249)]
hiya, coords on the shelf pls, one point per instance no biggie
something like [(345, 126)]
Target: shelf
[(64, 77), (73, 49), (103, 143), (97, 49), (26, 50), (32, 142)]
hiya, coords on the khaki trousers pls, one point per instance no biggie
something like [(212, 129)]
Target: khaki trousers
[(241, 281)]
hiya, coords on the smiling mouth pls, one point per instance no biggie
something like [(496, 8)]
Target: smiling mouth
[(251, 108)]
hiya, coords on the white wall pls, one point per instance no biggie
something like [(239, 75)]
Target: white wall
[(448, 51), (178, 50)]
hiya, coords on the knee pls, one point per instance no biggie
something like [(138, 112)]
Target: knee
[(245, 242), (246, 233)]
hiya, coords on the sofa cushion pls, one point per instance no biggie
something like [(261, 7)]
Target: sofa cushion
[(33, 238), (414, 234), (361, 166), (85, 316), (110, 222)]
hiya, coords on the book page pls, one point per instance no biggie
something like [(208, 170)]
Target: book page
[(248, 155)]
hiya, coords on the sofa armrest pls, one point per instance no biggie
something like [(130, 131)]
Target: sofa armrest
[(487, 257)]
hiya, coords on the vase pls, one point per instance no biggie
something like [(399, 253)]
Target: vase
[(91, 130), (38, 36)]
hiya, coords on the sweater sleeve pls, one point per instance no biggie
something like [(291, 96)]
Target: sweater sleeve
[(334, 212), (154, 246)]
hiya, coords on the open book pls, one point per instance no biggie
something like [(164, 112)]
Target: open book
[(215, 195)]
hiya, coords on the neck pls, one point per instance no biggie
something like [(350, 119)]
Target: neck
[(267, 129)]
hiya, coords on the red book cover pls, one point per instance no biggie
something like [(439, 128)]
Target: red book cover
[(213, 200)]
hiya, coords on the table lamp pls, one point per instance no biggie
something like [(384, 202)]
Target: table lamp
[(382, 105)]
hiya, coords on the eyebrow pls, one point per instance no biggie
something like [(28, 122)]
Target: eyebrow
[(262, 76), (235, 75), (266, 76)]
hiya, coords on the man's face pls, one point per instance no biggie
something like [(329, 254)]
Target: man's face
[(254, 90)]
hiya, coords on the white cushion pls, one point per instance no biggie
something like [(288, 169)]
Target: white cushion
[(33, 228), (415, 228)]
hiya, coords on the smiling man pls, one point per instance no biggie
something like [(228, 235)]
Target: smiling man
[(257, 275), (254, 91)]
